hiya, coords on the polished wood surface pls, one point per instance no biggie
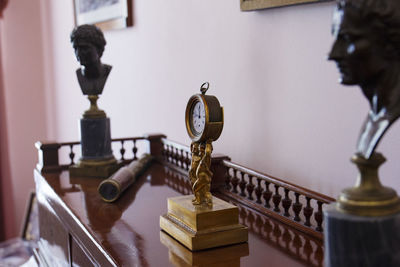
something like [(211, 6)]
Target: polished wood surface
[(77, 226)]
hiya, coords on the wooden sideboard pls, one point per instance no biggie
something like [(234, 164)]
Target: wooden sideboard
[(78, 229)]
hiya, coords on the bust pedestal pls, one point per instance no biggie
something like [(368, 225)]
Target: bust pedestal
[(97, 158), (352, 240)]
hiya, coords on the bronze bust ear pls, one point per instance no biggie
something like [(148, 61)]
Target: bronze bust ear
[(88, 42), (367, 53)]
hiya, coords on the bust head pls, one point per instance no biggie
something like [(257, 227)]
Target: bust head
[(88, 42), (367, 36), (367, 52)]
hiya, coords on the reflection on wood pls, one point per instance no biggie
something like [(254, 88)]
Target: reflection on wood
[(179, 255), (298, 245)]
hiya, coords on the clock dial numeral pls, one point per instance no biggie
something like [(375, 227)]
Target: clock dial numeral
[(198, 117)]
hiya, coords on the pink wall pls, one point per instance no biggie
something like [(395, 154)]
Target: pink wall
[(24, 108), (285, 113)]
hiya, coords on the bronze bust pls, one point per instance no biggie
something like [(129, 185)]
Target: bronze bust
[(88, 42), (367, 53)]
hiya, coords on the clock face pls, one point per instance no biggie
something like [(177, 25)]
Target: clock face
[(198, 117)]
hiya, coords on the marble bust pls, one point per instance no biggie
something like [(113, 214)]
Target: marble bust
[(88, 42), (367, 52)]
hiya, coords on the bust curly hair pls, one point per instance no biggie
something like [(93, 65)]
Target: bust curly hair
[(90, 34), (382, 17)]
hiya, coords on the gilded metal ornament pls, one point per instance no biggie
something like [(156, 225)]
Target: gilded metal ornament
[(204, 123), (202, 221), (200, 174), (204, 116)]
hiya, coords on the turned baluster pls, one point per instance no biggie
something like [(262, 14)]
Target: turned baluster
[(181, 158), (307, 211), (297, 207), (242, 184), (286, 202), (164, 151), (177, 157), (171, 154), (258, 191), (235, 181), (228, 180), (276, 199), (267, 194), (187, 160), (319, 217), (134, 150), (71, 154), (250, 187), (122, 150)]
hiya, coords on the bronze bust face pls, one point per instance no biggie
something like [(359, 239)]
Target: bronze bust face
[(367, 52), (88, 42)]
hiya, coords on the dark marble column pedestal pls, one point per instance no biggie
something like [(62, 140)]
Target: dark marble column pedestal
[(96, 139), (97, 158), (360, 241)]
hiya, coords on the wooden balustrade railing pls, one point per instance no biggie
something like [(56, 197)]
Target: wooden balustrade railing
[(288, 202), (176, 155), (49, 160)]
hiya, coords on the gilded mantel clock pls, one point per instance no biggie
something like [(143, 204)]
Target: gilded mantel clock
[(202, 221), (204, 116)]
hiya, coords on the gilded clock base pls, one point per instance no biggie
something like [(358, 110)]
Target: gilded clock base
[(203, 227), (95, 168), (179, 255), (368, 197)]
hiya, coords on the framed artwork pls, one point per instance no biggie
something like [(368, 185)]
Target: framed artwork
[(106, 14), (247, 5)]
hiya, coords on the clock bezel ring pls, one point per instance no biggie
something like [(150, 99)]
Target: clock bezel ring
[(192, 101)]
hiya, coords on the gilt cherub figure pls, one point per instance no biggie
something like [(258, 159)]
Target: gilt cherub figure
[(200, 174)]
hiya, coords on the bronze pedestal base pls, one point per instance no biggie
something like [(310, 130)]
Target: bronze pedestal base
[(368, 197), (95, 168), (202, 227)]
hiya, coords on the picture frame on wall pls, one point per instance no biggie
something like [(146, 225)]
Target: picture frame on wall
[(106, 14), (248, 5)]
